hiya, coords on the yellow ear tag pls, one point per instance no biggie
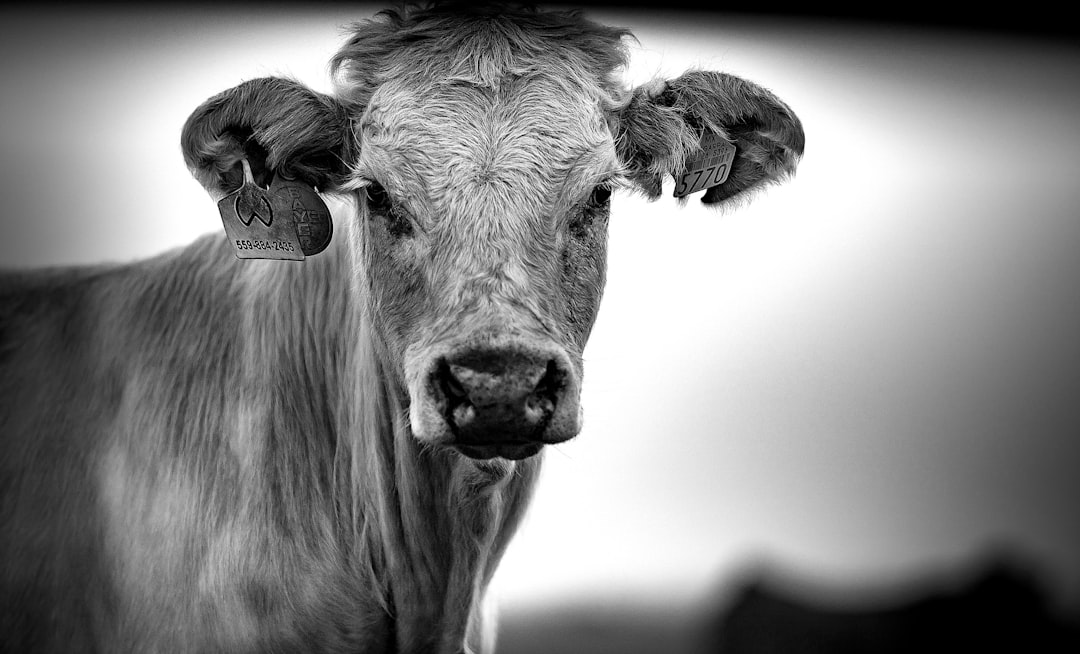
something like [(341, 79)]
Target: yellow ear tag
[(707, 167)]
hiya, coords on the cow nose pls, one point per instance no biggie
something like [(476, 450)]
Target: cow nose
[(502, 397)]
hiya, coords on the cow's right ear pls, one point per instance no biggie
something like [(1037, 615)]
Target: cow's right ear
[(662, 127), (279, 126)]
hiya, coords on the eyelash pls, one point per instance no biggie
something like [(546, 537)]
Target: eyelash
[(600, 196)]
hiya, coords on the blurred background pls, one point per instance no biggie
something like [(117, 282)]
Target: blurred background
[(843, 412)]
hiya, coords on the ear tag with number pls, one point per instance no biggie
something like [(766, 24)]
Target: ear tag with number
[(707, 167), (286, 221), (256, 225)]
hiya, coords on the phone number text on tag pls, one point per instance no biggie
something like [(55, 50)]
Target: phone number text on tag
[(274, 245)]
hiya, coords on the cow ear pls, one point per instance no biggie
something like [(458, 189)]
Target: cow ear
[(278, 125), (662, 126)]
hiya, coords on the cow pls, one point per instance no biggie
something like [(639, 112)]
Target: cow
[(207, 452)]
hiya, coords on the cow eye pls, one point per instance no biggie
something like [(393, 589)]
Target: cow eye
[(379, 203), (377, 198), (589, 212), (600, 196)]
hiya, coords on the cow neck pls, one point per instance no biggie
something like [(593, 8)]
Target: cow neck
[(426, 525)]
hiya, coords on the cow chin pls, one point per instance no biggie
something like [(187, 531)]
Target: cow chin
[(494, 398), (501, 451)]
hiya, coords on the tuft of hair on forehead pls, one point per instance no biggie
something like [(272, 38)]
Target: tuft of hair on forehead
[(479, 43)]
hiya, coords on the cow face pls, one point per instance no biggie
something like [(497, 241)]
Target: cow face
[(484, 222), (482, 152)]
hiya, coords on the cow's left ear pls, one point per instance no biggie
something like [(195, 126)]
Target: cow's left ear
[(662, 126), (279, 126)]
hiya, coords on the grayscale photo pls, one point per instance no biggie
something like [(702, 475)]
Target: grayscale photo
[(500, 328)]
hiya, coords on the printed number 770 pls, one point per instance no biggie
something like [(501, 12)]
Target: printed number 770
[(712, 173)]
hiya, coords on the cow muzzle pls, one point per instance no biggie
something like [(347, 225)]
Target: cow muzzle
[(506, 400)]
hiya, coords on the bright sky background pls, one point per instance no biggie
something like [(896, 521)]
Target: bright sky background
[(866, 374)]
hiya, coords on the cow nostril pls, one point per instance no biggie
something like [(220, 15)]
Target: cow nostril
[(494, 396), (449, 384), (540, 404), (538, 408), (552, 381), (459, 410)]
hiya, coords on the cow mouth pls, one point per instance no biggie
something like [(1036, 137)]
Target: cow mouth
[(515, 451)]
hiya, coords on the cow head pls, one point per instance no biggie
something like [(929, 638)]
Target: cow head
[(482, 150)]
